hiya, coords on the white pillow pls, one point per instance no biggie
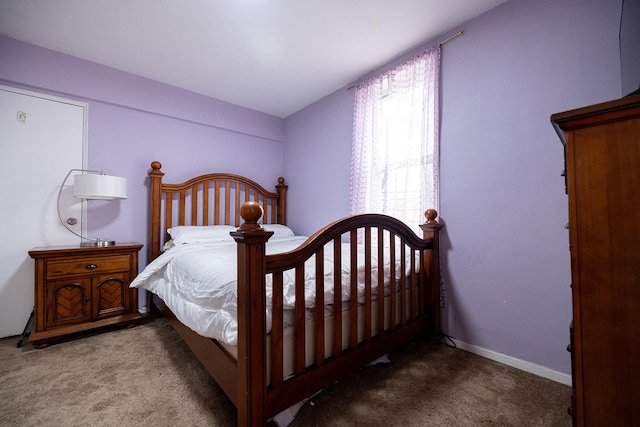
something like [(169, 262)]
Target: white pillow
[(200, 233), (279, 230)]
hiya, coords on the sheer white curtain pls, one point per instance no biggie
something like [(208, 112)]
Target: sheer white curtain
[(394, 163)]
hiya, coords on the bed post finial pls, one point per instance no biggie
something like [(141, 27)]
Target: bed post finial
[(251, 212), (431, 215), (156, 166)]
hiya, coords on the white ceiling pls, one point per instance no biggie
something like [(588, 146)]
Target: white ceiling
[(274, 56)]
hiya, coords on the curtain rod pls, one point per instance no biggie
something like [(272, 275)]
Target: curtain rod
[(452, 36)]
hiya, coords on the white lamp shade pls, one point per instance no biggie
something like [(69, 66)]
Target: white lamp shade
[(102, 187)]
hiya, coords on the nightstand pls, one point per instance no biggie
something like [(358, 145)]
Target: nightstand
[(81, 288)]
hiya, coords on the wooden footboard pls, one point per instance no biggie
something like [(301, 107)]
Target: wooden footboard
[(413, 310)]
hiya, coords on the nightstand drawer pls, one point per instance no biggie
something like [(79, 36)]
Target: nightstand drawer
[(87, 265)]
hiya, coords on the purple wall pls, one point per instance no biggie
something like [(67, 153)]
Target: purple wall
[(133, 121), (506, 255), (503, 198), (318, 160), (629, 46)]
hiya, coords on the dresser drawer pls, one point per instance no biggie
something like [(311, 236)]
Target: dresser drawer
[(87, 265)]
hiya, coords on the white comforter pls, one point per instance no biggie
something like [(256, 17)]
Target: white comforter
[(198, 282)]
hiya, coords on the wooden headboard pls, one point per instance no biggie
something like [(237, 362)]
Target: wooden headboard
[(211, 199)]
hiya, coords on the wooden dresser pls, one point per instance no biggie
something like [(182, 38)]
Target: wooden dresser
[(80, 288), (602, 155)]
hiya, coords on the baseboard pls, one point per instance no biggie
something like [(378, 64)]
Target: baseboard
[(538, 370)]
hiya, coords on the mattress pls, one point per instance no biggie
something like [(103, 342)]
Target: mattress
[(198, 280)]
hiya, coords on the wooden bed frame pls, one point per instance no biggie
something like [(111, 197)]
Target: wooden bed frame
[(222, 199)]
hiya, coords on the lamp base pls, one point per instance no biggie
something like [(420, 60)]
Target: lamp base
[(97, 243)]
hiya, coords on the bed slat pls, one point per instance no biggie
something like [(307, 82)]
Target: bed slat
[(169, 212), (422, 296), (205, 203), (227, 197), (300, 310), (380, 289), (367, 284), (216, 203), (319, 311), (181, 207), (353, 300), (392, 285), (194, 205), (412, 286), (403, 284), (237, 205), (337, 297), (277, 344)]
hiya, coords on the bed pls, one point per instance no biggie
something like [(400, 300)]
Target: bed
[(268, 363)]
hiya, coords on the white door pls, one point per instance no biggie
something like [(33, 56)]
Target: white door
[(41, 139)]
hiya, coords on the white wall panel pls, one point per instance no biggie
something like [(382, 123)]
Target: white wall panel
[(41, 139)]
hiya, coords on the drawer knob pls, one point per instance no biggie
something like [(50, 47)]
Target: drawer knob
[(91, 266)]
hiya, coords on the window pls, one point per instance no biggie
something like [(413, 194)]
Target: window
[(394, 165)]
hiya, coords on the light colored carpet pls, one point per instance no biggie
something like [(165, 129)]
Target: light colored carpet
[(147, 376)]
